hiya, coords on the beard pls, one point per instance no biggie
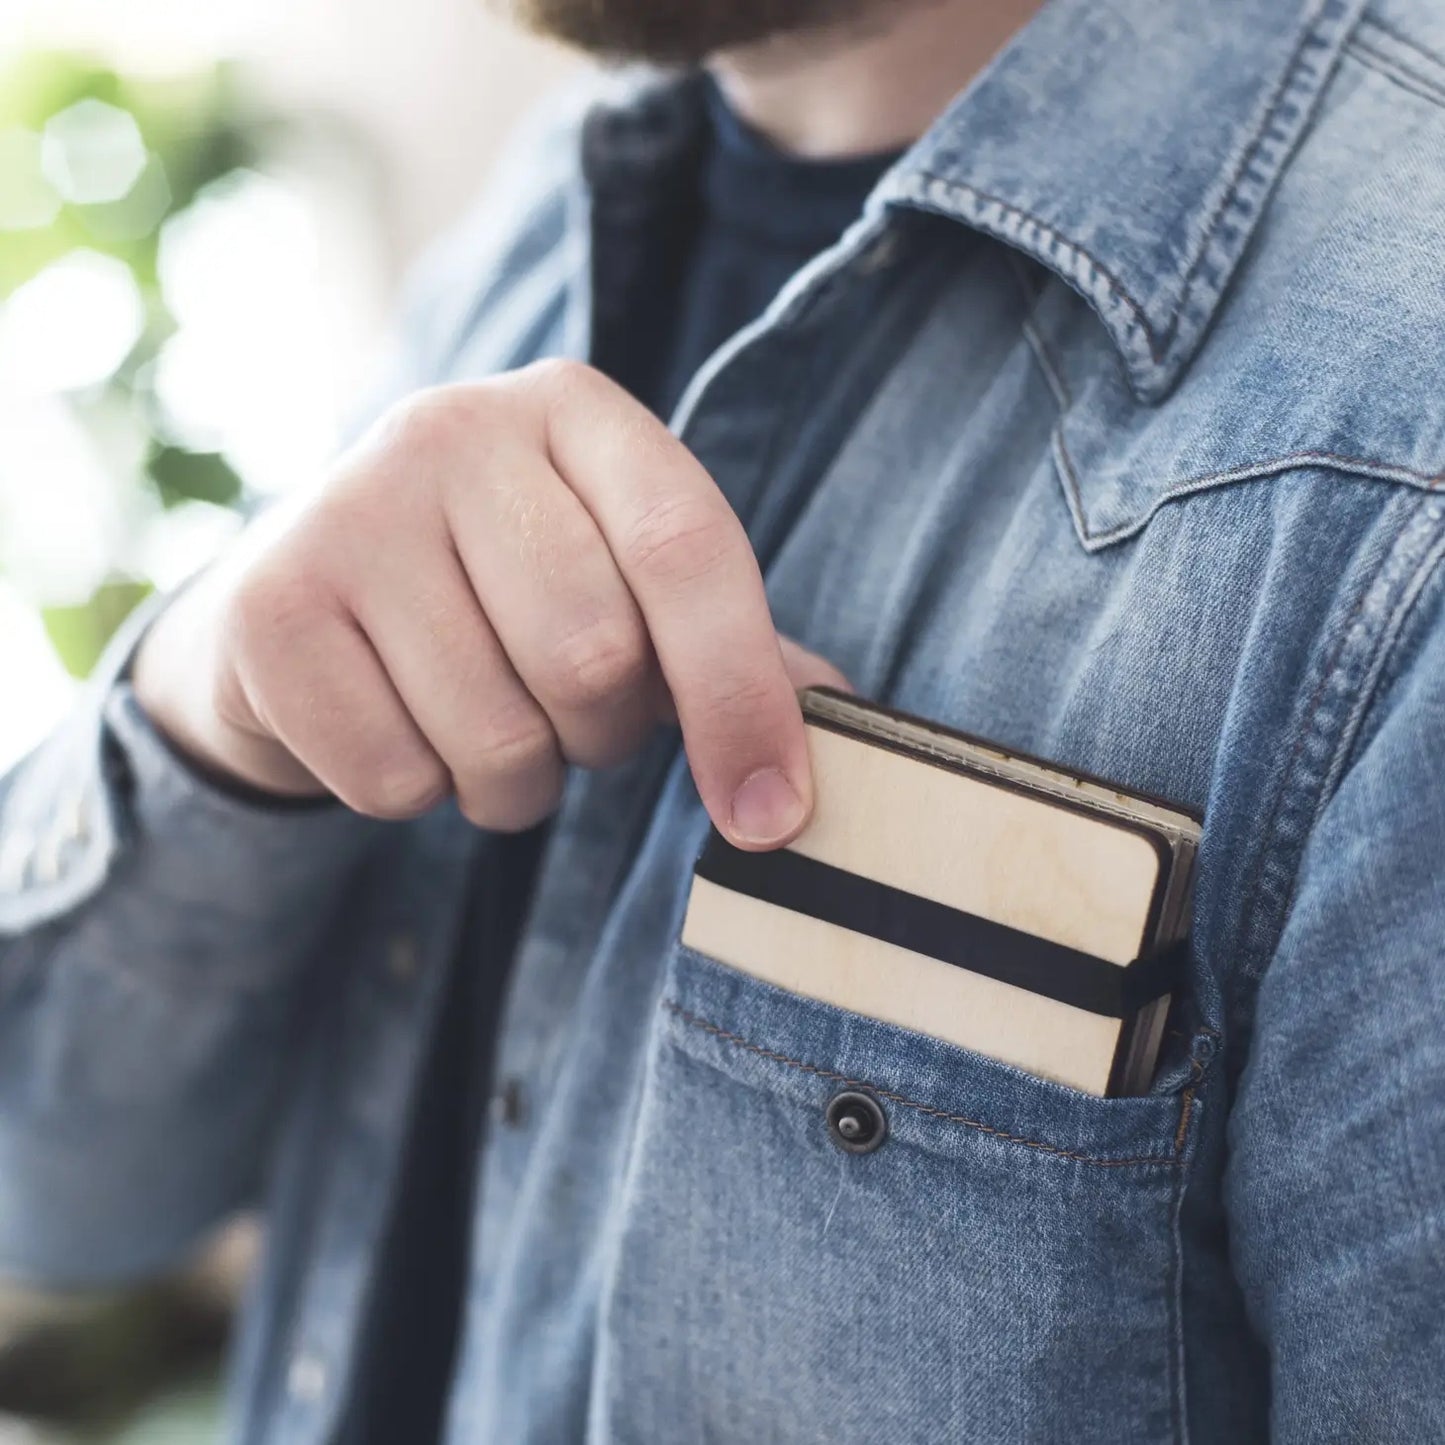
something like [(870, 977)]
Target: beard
[(677, 32)]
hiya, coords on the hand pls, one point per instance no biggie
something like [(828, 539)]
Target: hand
[(501, 578)]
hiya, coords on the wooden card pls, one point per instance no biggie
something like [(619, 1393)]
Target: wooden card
[(952, 888)]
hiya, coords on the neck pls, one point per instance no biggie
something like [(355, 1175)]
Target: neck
[(874, 84)]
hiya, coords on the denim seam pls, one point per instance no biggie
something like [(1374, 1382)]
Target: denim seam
[(1175, 1287), (1373, 22), (1287, 781), (1361, 467), (707, 1026), (1396, 73), (1374, 41), (1280, 124), (1294, 782), (1247, 187), (1380, 666), (1055, 241), (1173, 1295), (1187, 486), (1431, 572), (1378, 669)]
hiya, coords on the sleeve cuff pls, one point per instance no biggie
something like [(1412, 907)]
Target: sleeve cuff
[(107, 784)]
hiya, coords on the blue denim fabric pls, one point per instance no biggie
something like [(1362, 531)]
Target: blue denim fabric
[(1114, 429)]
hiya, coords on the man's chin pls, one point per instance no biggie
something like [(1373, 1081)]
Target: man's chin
[(674, 32)]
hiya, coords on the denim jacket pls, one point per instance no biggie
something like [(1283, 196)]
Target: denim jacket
[(1113, 430)]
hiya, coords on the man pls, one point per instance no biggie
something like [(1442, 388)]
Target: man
[(1072, 378)]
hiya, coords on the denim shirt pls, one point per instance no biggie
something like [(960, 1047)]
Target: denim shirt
[(1112, 430)]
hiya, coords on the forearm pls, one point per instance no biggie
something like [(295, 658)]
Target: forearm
[(156, 938)]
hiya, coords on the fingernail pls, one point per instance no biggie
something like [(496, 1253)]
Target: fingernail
[(766, 808)]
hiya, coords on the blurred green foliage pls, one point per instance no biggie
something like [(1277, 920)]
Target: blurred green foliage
[(78, 633), (111, 1368), (196, 128)]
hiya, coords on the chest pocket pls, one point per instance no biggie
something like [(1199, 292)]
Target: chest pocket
[(838, 1230)]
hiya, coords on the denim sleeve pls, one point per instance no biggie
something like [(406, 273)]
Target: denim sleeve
[(154, 939), (1336, 1186), (158, 931)]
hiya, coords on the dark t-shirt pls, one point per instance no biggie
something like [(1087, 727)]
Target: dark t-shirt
[(755, 217), (713, 257)]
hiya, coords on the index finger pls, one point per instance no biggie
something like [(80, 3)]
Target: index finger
[(689, 564)]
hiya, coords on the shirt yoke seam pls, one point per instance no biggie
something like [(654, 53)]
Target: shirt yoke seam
[(1048, 365)]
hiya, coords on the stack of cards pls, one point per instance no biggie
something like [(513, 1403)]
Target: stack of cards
[(951, 887)]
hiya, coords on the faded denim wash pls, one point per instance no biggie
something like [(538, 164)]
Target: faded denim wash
[(1113, 429)]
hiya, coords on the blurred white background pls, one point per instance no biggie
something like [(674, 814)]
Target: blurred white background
[(278, 276)]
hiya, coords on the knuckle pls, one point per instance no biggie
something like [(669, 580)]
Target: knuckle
[(516, 809), (273, 605), (598, 663), (402, 791), (510, 747), (430, 425), (675, 541)]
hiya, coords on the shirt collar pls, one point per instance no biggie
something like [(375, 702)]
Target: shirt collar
[(1129, 146)]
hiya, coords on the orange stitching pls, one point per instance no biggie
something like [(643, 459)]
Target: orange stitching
[(1184, 1114), (711, 1028)]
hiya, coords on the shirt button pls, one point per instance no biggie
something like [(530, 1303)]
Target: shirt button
[(508, 1106), (402, 958), (856, 1123), (306, 1377)]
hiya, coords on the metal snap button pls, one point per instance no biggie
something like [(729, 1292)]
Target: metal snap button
[(856, 1122), (508, 1105)]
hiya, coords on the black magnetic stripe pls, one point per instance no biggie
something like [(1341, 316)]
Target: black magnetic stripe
[(980, 945)]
